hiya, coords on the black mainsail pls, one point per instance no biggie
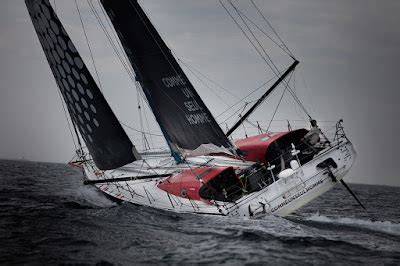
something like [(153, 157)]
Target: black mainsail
[(105, 138), (183, 117)]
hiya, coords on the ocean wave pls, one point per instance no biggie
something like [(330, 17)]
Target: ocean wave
[(380, 226)]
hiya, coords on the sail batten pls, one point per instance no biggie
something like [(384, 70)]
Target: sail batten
[(182, 115), (104, 136)]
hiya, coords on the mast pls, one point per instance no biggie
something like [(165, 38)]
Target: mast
[(261, 99)]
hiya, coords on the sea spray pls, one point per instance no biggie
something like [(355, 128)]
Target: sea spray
[(381, 226)]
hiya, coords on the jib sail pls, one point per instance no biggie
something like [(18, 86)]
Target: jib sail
[(183, 117), (106, 140)]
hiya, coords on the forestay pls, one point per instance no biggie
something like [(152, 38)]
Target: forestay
[(106, 140), (183, 117)]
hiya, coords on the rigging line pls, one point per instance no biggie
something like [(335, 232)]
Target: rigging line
[(244, 33), (272, 28), (296, 107), (143, 97), (298, 120), (124, 63), (256, 39), (142, 94), (242, 100), (115, 36), (280, 100), (276, 120), (140, 117), (263, 97), (284, 81), (120, 53), (307, 90), (294, 95), (138, 85), (294, 89), (209, 79), (140, 90), (169, 62), (146, 143), (68, 123), (148, 126), (134, 129), (144, 138), (237, 111), (215, 129), (256, 126), (154, 38), (150, 167), (111, 41), (258, 42), (77, 136), (244, 107), (266, 35), (240, 116), (63, 106), (297, 100), (208, 87), (138, 139), (88, 44)]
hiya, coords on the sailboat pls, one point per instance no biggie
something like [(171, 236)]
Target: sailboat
[(204, 171)]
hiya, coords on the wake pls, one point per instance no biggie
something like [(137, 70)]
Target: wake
[(380, 226)]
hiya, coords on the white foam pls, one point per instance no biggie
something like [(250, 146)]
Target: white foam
[(381, 226), (94, 197)]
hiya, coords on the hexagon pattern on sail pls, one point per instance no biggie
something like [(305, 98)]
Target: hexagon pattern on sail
[(107, 142)]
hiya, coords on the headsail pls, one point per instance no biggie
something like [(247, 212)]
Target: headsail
[(183, 117), (105, 138)]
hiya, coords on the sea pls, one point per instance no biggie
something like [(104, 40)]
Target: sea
[(47, 217)]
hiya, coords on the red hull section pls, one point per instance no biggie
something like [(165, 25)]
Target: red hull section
[(188, 183), (256, 148)]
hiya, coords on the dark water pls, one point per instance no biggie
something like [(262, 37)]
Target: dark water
[(48, 217)]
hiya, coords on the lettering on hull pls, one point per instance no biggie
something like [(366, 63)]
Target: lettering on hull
[(297, 195)]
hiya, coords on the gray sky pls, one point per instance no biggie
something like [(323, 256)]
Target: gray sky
[(348, 52)]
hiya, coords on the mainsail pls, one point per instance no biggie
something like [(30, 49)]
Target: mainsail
[(183, 117), (106, 140)]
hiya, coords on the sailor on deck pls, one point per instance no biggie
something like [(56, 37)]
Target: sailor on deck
[(313, 136)]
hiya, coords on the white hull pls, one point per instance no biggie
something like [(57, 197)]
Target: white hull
[(282, 197)]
